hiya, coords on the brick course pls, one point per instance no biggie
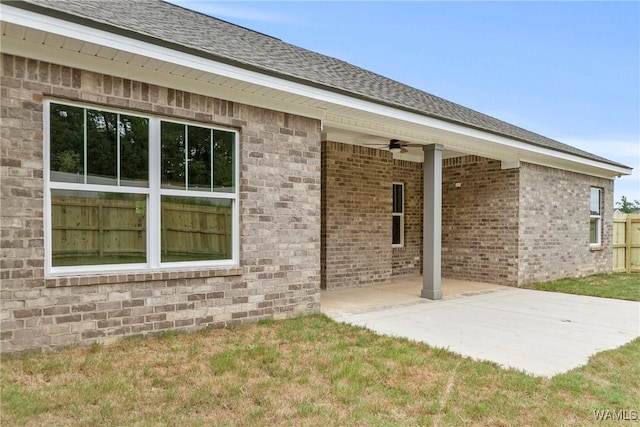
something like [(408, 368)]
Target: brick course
[(279, 272)]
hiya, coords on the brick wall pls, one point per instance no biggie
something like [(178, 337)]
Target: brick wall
[(519, 226), (407, 261), (279, 272), (356, 215), (479, 220), (554, 225)]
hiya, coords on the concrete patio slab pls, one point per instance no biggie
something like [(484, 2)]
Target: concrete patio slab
[(397, 291), (541, 333)]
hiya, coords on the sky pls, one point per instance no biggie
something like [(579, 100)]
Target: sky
[(567, 70)]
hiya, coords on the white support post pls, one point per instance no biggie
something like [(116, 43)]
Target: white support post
[(432, 222)]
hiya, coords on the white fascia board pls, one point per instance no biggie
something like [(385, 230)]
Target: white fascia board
[(587, 167), (73, 30)]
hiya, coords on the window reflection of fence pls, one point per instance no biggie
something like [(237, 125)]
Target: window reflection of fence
[(94, 227), (626, 243), (101, 228), (196, 231)]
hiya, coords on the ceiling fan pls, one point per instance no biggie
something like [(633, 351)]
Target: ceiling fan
[(397, 146)]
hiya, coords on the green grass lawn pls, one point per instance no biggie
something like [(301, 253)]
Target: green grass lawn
[(305, 371), (618, 285)]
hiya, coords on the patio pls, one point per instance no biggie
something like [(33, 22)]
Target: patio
[(541, 333), (397, 291)]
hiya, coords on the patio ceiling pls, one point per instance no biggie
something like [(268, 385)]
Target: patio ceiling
[(344, 118)]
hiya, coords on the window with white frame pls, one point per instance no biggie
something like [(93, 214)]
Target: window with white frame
[(128, 191), (398, 215), (595, 225)]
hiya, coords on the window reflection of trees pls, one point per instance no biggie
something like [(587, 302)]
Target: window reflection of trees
[(109, 147)]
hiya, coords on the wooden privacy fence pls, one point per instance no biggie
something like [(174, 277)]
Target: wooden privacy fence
[(626, 242), (98, 228)]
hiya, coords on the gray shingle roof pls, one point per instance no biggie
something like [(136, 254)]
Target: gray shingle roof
[(184, 29)]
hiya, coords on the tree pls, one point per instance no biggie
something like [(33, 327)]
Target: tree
[(624, 205)]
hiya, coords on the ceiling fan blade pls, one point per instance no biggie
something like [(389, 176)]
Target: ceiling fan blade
[(405, 143), (395, 143)]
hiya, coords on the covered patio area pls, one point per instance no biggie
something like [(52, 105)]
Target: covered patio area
[(394, 292)]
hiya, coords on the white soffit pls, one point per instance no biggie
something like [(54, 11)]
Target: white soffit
[(30, 34)]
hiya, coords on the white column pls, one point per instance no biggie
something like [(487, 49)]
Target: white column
[(432, 222)]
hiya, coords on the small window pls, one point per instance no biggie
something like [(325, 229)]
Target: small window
[(595, 225), (398, 216)]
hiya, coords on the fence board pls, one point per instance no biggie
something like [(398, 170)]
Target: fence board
[(619, 244), (626, 243), (634, 244)]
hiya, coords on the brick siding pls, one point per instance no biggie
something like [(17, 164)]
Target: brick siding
[(279, 272), (479, 220), (554, 225), (356, 216), (407, 261), (502, 226), (518, 226)]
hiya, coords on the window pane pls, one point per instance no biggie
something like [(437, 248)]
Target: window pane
[(595, 201), (102, 147), (397, 198), (173, 155), (195, 229), (66, 135), (223, 161), (397, 231), (594, 230), (199, 158), (90, 228), (134, 151)]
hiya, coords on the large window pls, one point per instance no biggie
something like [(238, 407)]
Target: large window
[(595, 224), (398, 216), (127, 191)]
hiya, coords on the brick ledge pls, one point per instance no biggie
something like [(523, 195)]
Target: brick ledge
[(104, 279)]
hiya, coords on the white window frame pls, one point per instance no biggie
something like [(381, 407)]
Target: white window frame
[(397, 214), (597, 218), (153, 192)]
